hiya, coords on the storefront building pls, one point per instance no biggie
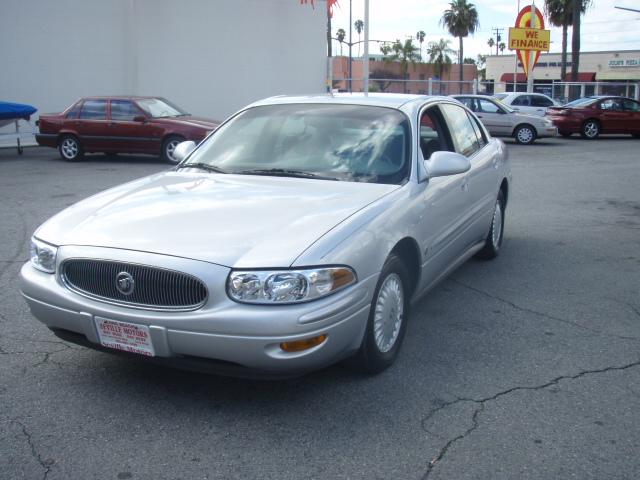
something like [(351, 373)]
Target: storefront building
[(600, 73)]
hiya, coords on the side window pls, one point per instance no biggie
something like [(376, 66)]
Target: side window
[(75, 110), (488, 107), (482, 140), (468, 102), (94, 110), (631, 106), (462, 131), (610, 104), (540, 101), (521, 101), (431, 134), (123, 110)]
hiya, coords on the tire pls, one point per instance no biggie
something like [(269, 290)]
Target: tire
[(524, 134), (70, 148), (493, 242), (379, 350), (564, 133), (590, 129), (168, 146)]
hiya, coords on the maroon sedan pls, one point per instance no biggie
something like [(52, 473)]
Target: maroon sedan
[(121, 125), (591, 116)]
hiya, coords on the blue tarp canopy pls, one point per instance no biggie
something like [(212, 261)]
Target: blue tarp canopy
[(9, 111)]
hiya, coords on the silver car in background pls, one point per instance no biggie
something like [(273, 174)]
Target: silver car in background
[(294, 236), (502, 121), (526, 102)]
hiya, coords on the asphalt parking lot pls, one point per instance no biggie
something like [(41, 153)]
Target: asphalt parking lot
[(526, 367)]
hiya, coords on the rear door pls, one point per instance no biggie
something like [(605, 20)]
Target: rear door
[(633, 108), (522, 103), (92, 125), (540, 103), (497, 120)]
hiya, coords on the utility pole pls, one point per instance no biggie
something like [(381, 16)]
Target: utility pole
[(497, 32)]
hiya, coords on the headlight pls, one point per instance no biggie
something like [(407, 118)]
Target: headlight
[(43, 255), (287, 286)]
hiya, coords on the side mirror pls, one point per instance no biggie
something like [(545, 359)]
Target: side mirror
[(140, 118), (443, 164), (183, 149)]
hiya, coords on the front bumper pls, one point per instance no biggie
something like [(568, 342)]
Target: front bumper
[(223, 336)]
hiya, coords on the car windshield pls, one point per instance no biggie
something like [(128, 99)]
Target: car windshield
[(500, 96), (336, 142), (504, 106), (581, 102), (159, 108)]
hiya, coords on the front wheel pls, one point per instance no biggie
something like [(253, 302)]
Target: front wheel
[(493, 242), (169, 146), (525, 134), (590, 129), (70, 148), (387, 321)]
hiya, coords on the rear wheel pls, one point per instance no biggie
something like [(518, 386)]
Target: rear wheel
[(590, 129), (564, 133), (525, 134), (387, 321), (70, 148), (169, 146), (493, 242)]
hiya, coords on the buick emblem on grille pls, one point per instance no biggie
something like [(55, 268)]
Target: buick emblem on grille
[(125, 283)]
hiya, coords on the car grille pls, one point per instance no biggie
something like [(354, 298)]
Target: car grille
[(154, 288)]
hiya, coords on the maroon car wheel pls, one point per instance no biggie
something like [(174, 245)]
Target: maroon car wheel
[(168, 147), (70, 148)]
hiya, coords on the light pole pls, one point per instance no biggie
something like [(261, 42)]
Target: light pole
[(350, 45)]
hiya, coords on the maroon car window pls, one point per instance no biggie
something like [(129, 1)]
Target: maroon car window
[(94, 110), (123, 110), (631, 106), (611, 104), (75, 111)]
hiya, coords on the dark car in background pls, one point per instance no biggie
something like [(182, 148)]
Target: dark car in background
[(591, 116), (127, 124)]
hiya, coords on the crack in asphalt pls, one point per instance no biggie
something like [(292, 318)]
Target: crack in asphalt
[(482, 401), (545, 315), (46, 464)]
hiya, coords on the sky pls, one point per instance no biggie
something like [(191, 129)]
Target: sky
[(603, 26)]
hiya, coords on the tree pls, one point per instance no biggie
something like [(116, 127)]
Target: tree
[(340, 34), (491, 43), (481, 64), (439, 56), (420, 37), (560, 14), (405, 53), (502, 46), (383, 79), (460, 19), (359, 25)]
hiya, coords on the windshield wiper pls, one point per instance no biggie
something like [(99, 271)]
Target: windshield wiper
[(202, 166), (283, 172)]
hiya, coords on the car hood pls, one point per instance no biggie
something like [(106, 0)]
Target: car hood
[(191, 121), (232, 220)]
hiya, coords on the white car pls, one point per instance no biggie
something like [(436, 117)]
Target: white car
[(531, 103)]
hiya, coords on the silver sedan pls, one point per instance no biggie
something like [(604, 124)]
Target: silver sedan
[(502, 121), (296, 235)]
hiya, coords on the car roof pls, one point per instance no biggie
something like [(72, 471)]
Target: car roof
[(471, 95), (119, 97), (391, 100)]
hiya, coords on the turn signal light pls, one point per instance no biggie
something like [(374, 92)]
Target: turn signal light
[(300, 345)]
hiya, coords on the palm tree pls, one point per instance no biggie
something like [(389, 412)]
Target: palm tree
[(560, 14), (491, 43), (502, 46), (359, 24), (420, 37), (340, 34), (406, 53), (439, 56), (460, 19)]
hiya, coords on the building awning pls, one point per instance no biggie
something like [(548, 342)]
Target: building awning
[(521, 78), (583, 76), (508, 77)]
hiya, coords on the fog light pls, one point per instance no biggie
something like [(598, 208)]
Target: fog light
[(300, 345)]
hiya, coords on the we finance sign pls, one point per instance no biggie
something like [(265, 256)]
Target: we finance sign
[(528, 38)]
